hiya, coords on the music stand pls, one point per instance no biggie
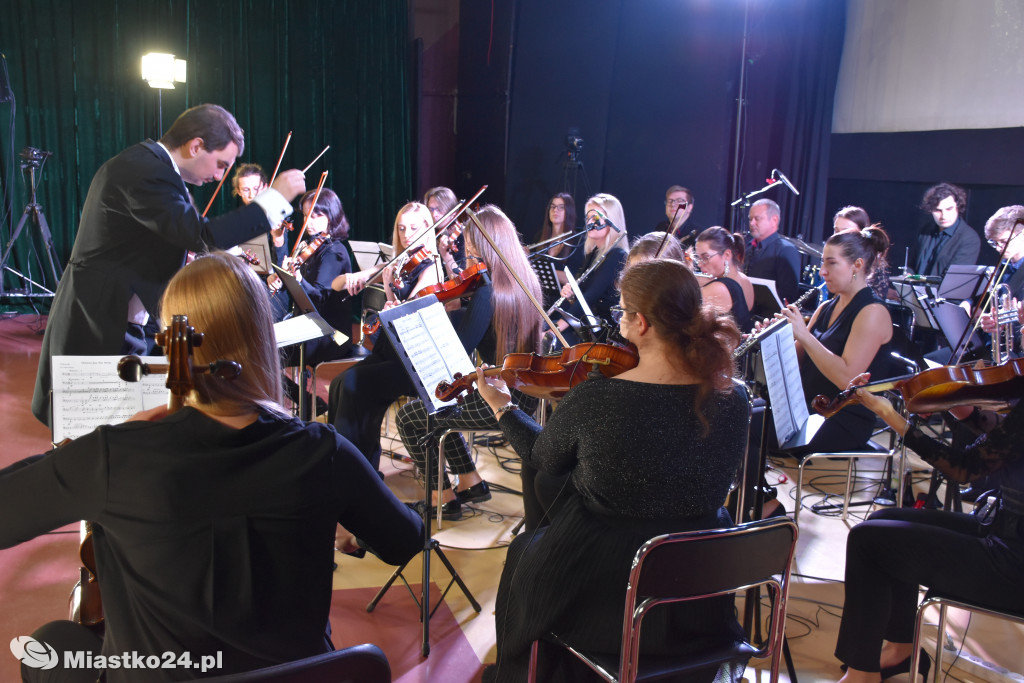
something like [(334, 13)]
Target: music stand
[(260, 248), (547, 272), (963, 282), (766, 300), (368, 254), (301, 328), (916, 298), (953, 322), (425, 342)]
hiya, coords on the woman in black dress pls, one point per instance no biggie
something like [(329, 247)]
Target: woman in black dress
[(719, 254), (847, 335), (652, 451)]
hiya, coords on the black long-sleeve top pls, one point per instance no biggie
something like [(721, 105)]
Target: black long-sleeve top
[(635, 449), (209, 538)]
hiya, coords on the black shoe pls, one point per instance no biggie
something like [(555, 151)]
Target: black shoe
[(477, 493), (924, 664), (450, 511)]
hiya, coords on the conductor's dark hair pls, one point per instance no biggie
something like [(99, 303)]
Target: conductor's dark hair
[(213, 123)]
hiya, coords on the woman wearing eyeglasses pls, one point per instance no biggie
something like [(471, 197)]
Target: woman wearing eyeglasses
[(651, 451), (560, 219), (720, 254)]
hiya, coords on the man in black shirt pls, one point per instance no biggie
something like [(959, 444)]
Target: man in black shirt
[(769, 256)]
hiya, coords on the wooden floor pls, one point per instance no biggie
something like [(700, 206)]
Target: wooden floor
[(35, 577)]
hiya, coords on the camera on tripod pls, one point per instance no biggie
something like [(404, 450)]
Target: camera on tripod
[(30, 156), (574, 144)]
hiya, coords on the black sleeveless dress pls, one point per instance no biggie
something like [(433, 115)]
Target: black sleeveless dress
[(740, 311), (851, 428)]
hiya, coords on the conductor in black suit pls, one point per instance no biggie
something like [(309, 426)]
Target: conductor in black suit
[(137, 225)]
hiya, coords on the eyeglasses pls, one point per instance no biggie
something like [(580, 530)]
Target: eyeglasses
[(673, 203), (1001, 243), (617, 312), (556, 207), (704, 258)]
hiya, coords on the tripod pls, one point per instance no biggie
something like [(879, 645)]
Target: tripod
[(34, 211), (429, 545)]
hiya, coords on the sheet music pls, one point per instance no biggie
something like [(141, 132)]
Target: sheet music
[(770, 284), (785, 388), (88, 393), (434, 349), (300, 328), (588, 315)]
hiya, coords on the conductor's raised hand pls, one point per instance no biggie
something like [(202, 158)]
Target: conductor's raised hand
[(290, 183)]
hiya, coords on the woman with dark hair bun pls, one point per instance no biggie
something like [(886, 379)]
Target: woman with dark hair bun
[(651, 451), (720, 254), (847, 335), (850, 218)]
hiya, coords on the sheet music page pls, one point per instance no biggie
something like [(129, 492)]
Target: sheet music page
[(302, 328), (88, 393), (434, 348), (785, 387), (770, 284)]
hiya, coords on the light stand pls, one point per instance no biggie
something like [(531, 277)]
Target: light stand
[(572, 165), (33, 159), (162, 71)]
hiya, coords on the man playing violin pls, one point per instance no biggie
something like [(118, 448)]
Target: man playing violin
[(137, 225)]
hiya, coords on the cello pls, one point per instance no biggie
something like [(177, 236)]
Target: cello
[(178, 340)]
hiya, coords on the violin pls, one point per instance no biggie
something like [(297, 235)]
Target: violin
[(938, 389), (301, 257), (454, 288), (548, 377), (405, 265)]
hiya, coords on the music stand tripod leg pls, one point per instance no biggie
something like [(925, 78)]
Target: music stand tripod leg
[(429, 544), (51, 252)]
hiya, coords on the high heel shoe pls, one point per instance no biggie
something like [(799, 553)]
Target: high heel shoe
[(924, 665)]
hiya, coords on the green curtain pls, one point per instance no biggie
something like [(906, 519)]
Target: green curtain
[(332, 72)]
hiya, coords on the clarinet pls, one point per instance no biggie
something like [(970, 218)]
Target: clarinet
[(597, 262), (756, 338)]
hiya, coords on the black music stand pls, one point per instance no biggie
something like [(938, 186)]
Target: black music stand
[(301, 328), (421, 341), (546, 268)]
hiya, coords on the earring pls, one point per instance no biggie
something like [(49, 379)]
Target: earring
[(726, 267), (855, 276)]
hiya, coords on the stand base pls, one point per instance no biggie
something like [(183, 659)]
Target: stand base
[(423, 601)]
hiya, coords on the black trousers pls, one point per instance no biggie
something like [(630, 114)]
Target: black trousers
[(359, 399), (894, 552)]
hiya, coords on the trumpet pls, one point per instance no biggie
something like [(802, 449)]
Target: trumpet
[(1004, 315)]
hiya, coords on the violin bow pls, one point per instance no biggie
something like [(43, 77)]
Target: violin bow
[(281, 158), (317, 158), (305, 223), (452, 214), (554, 328), (219, 185)]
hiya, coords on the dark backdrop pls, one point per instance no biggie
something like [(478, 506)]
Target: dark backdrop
[(334, 72), (652, 86)]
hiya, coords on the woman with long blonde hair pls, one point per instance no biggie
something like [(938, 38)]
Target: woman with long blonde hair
[(603, 256), (498, 320)]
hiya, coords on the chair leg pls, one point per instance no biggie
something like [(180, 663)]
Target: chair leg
[(849, 488)]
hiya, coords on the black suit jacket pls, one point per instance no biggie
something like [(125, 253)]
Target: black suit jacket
[(137, 224), (962, 248)]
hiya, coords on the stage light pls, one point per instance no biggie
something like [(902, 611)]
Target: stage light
[(162, 70)]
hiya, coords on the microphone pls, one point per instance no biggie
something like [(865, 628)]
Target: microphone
[(601, 222), (687, 238), (785, 181)]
